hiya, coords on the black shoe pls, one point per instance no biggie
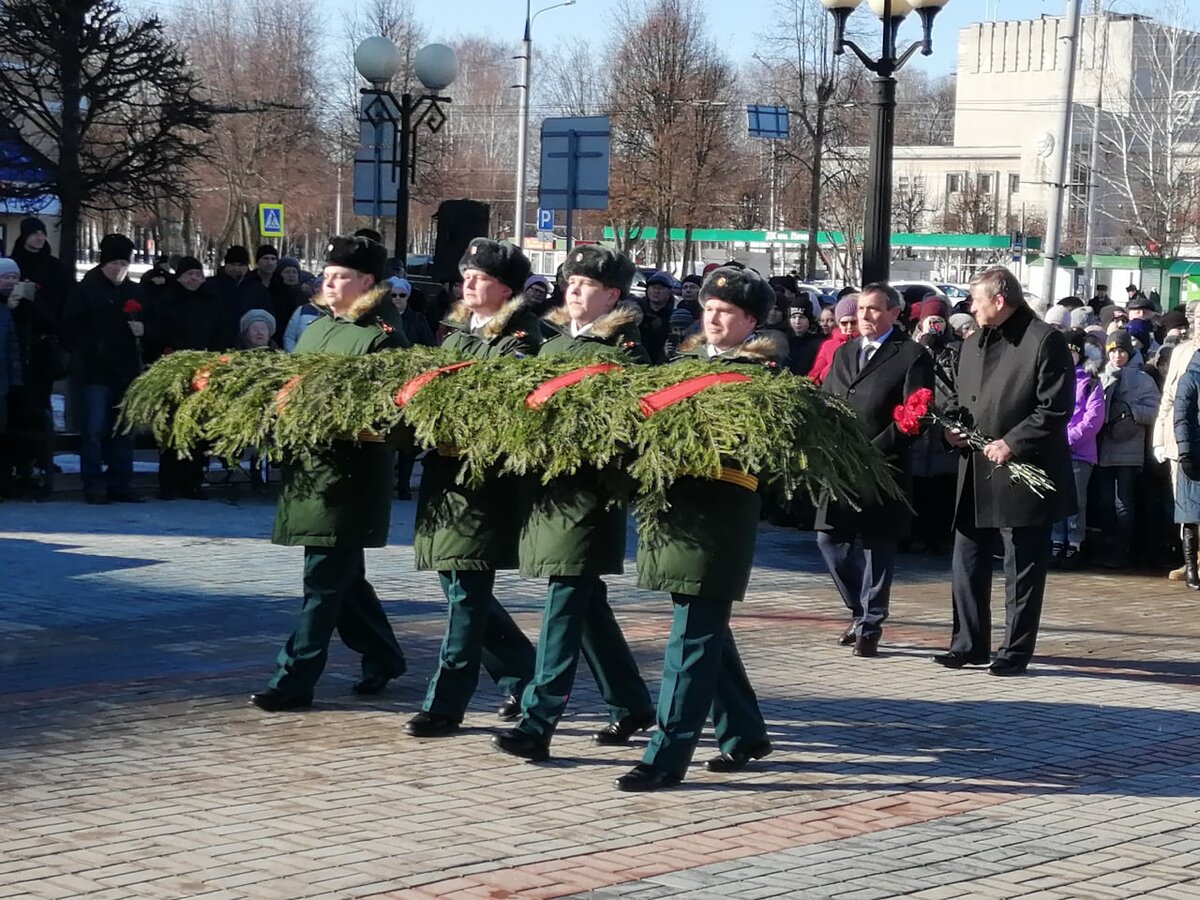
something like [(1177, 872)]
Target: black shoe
[(643, 778), (273, 700), (427, 724), (848, 637), (125, 497), (518, 743), (955, 660), (510, 709), (373, 684), (1057, 554), (736, 761), (616, 733), (1006, 668), (867, 646)]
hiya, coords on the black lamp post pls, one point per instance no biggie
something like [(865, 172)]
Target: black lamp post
[(436, 66), (877, 229)]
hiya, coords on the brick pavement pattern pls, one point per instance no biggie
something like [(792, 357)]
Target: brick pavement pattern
[(131, 765)]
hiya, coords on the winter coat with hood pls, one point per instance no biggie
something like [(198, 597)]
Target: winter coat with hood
[(575, 524), (342, 496), (1186, 432), (97, 333), (1131, 401), (703, 544), (1163, 433), (1088, 417), (460, 527)]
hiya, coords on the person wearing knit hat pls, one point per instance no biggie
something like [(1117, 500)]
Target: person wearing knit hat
[(466, 533), (9, 267), (1058, 316), (338, 501), (266, 261), (701, 551), (11, 371), (1082, 317), (845, 313), (257, 327), (689, 294), (873, 375), (1132, 401), (804, 339), (962, 324), (288, 270), (103, 325), (237, 255), (1087, 419)]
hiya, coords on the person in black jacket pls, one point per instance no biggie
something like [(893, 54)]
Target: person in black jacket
[(239, 292), (874, 374), (1016, 384), (803, 340), (103, 327)]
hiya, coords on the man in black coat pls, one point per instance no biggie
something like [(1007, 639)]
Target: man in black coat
[(874, 374), (1016, 384), (239, 292), (103, 327)]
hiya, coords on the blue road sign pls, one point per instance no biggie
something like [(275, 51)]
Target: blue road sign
[(270, 220), (769, 122), (545, 220)]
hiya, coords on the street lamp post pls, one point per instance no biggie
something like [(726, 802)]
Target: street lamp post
[(877, 229), (436, 66), (523, 135)]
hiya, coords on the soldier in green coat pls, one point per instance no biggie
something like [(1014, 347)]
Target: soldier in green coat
[(339, 501), (702, 552), (468, 533), (575, 533)]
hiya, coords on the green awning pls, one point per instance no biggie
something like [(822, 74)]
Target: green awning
[(1183, 268)]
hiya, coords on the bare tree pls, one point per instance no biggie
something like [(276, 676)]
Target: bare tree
[(924, 109), (671, 104), (911, 202), (1151, 130), (972, 209), (105, 108)]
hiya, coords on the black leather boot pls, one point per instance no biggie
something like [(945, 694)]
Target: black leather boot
[(1191, 543)]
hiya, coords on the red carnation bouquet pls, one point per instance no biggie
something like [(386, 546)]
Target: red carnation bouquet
[(919, 407), (131, 309)]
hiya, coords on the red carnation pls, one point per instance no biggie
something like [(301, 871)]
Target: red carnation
[(907, 421), (919, 402), (131, 308)]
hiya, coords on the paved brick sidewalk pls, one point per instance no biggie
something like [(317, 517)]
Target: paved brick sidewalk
[(131, 765)]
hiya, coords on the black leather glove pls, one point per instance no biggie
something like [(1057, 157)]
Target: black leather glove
[(1190, 467)]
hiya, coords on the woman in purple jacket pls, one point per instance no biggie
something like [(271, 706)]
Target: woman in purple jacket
[(1085, 425)]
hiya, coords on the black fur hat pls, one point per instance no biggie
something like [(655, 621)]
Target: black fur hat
[(359, 253), (743, 288), (503, 261), (614, 270)]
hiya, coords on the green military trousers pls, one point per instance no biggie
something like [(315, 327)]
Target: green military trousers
[(478, 631), (337, 596), (702, 673), (577, 618)]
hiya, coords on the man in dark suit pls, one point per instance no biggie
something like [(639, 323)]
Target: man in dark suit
[(1016, 383), (874, 374)]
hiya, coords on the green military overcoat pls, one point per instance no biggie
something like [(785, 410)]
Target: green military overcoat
[(704, 543), (576, 526), (342, 497), (461, 528)]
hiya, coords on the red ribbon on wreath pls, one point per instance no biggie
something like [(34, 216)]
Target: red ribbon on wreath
[(200, 377), (660, 400), (548, 389), (406, 393)]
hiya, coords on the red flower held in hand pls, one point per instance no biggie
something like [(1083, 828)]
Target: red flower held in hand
[(907, 421), (131, 308), (919, 402)]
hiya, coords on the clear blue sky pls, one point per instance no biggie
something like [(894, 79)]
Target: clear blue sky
[(738, 23)]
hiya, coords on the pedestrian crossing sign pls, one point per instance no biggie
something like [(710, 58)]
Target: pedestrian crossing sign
[(270, 220)]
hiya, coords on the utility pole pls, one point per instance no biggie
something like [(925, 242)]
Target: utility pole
[(1062, 156), (1089, 274)]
